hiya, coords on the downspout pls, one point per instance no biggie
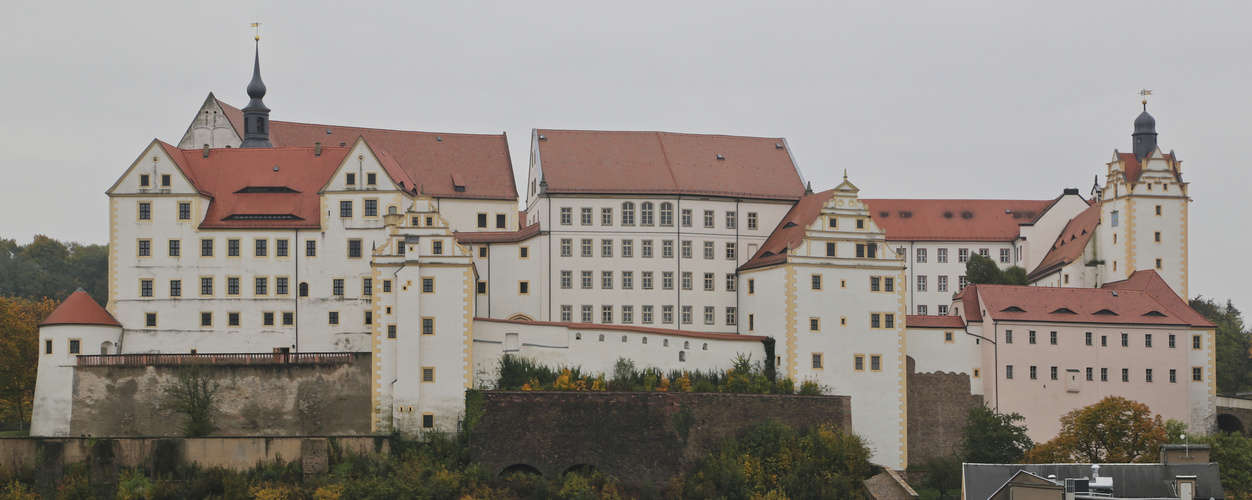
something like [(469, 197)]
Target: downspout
[(912, 280), (296, 262), (995, 331), (488, 280), (549, 252), (678, 224), (737, 250)]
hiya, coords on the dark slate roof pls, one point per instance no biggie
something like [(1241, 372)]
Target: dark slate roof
[(1129, 480)]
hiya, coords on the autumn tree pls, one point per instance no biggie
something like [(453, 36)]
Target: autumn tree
[(983, 270), (19, 354), (991, 437), (1234, 345), (1114, 430)]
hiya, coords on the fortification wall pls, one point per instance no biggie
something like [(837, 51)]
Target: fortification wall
[(252, 400), (639, 437), (938, 404)]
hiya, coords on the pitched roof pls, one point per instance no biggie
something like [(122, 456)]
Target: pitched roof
[(1132, 169), (1129, 480), (80, 309), (968, 297), (587, 161), (522, 234), (912, 321), (1151, 283), (790, 231), (954, 220), (225, 176), (1069, 245), (634, 329), (1072, 305), (430, 159)]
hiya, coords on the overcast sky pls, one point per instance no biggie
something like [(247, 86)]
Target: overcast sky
[(922, 100)]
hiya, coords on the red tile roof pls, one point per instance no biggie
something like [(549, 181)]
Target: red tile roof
[(912, 321), (1069, 245), (523, 234), (969, 301), (226, 172), (634, 329), (790, 231), (80, 309), (586, 161), (1151, 283), (1074, 305), (1131, 167), (954, 220), (430, 159)]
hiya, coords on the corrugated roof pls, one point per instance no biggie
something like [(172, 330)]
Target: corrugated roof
[(80, 309), (634, 329), (913, 321), (1069, 245), (430, 159), (790, 231), (585, 161), (954, 220)]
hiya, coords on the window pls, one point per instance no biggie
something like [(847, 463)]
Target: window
[(628, 248), (176, 288), (1158, 264), (1052, 338), (289, 319), (730, 219), (1004, 255), (371, 208), (831, 247), (647, 314), (206, 247), (428, 285), (345, 208), (1008, 336), (337, 286), (751, 220), (567, 247), (667, 314), (502, 221), (731, 251), (606, 315), (628, 316), (1147, 340), (667, 280), (888, 284), (1195, 342), (751, 286), (1125, 375), (667, 249), (647, 280), (232, 319), (1173, 376), (686, 246), (815, 324), (858, 362), (428, 421), (860, 223), (732, 316), (645, 249), (1172, 343), (1125, 340), (1104, 341), (941, 256), (586, 280), (751, 322), (628, 280), (962, 255), (667, 214), (1104, 374), (730, 282), (985, 253), (708, 249), (261, 286), (686, 217), (1158, 207), (482, 221), (606, 280), (304, 289), (428, 374), (606, 216), (145, 288), (686, 277), (567, 279), (206, 286), (882, 320), (1090, 374), (1008, 372), (145, 248), (875, 363), (371, 179), (184, 210), (815, 282), (817, 361), (867, 250), (962, 282), (708, 282), (606, 248), (1114, 218), (708, 218), (481, 287), (948, 337), (628, 214), (145, 210), (351, 179), (585, 249), (261, 247), (428, 326), (1157, 236), (1054, 374), (280, 248), (1088, 338), (1032, 337), (76, 346), (310, 248), (586, 314), (232, 248), (566, 216), (921, 283), (523, 252), (875, 284), (921, 255), (645, 213), (1147, 375), (921, 310), (232, 286), (144, 180), (567, 313), (943, 310), (267, 318), (584, 216), (436, 247)]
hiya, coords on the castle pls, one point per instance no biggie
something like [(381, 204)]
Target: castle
[(678, 251)]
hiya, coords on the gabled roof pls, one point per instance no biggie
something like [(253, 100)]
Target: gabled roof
[(80, 309), (430, 159), (912, 321), (586, 161), (969, 300), (1131, 167), (954, 220), (522, 234), (1151, 283), (790, 231), (226, 175), (1071, 305), (1069, 245), (981, 481)]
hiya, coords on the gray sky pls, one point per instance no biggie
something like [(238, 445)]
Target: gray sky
[(922, 100)]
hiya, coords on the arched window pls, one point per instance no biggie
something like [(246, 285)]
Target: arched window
[(105, 346), (601, 337), (645, 340), (623, 338), (667, 214), (628, 214), (665, 343), (645, 213), (578, 336), (682, 356), (686, 345), (706, 346), (304, 289), (392, 210)]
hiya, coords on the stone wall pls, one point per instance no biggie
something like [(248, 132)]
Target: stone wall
[(252, 400), (938, 404), (638, 437)]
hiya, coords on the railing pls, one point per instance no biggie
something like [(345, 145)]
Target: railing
[(302, 358)]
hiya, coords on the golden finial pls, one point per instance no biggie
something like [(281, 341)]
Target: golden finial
[(257, 27), (1145, 93)]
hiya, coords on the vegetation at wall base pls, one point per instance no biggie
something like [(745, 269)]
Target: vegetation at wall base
[(19, 358), (1234, 345), (983, 270), (1114, 430), (517, 373)]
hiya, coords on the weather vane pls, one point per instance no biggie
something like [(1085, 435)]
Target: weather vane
[(257, 27), (1145, 93)]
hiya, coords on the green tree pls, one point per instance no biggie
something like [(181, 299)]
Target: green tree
[(1114, 430), (1234, 345), (194, 395), (19, 354), (943, 474), (990, 437), (50, 268), (983, 270), (1234, 452)]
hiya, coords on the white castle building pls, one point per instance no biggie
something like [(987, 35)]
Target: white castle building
[(675, 250)]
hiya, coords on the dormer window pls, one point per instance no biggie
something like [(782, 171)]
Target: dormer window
[(1105, 312), (1013, 309)]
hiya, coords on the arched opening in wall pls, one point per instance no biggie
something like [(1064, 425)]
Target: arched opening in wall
[(580, 469), (682, 356), (1229, 423), (520, 469), (105, 347), (392, 210), (304, 289), (520, 317), (511, 342)]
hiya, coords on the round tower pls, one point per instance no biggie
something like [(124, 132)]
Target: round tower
[(79, 326)]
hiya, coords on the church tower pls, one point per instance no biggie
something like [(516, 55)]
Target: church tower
[(256, 117), (1143, 212)]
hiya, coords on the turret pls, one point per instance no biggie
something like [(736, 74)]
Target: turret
[(1145, 134), (256, 116)]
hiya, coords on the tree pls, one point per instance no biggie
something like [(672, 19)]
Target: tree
[(50, 268), (1234, 345), (1114, 430), (943, 474), (991, 437), (983, 270), (194, 394), (1234, 453), (19, 354)]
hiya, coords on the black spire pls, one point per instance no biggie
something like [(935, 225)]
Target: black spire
[(256, 116), (1145, 134)]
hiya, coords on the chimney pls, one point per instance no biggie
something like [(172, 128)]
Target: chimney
[(206, 150), (317, 149)]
